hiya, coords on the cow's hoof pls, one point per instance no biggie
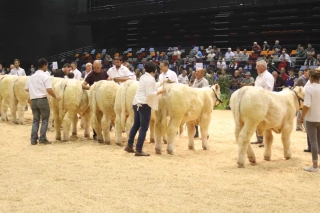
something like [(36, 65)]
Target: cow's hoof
[(108, 143), (205, 148), (74, 133), (267, 158), (100, 141), (151, 140), (58, 138), (81, 126), (165, 141), (252, 160), (15, 122), (86, 135), (288, 157), (169, 152), (119, 144), (240, 165), (191, 147), (158, 151), (4, 119)]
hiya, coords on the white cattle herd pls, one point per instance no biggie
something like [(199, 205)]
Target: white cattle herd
[(108, 103)]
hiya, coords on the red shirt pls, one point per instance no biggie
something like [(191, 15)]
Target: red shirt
[(284, 76)]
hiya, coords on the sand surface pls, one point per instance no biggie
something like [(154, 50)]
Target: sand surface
[(84, 176)]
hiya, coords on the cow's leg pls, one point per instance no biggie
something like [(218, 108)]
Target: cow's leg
[(21, 110), (268, 139), (82, 122), (157, 128), (67, 120), (204, 124), (129, 124), (86, 123), (13, 110), (152, 123), (118, 128), (96, 125), (105, 126), (191, 133), (74, 124), (285, 137), (171, 133), (57, 123), (4, 110), (244, 138)]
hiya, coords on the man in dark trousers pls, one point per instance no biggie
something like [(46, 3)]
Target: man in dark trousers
[(96, 75), (38, 86)]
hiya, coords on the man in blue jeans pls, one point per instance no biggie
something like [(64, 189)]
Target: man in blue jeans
[(142, 111), (38, 86)]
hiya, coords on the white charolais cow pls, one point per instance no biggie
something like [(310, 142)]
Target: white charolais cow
[(254, 109), (102, 100), (125, 114), (73, 101), (6, 93), (184, 104), (19, 99)]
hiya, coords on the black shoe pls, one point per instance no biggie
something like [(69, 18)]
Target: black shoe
[(45, 142), (307, 150), (129, 149), (141, 153), (34, 142), (196, 136)]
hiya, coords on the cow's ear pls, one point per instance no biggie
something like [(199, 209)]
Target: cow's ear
[(217, 87)]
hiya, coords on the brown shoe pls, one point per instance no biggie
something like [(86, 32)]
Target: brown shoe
[(141, 154), (261, 145), (129, 149), (45, 142), (257, 142)]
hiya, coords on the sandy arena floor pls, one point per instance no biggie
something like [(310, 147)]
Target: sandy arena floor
[(83, 176)]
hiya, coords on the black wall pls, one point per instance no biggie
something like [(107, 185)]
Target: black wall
[(38, 28)]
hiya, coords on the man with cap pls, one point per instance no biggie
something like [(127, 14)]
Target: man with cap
[(248, 80), (265, 46)]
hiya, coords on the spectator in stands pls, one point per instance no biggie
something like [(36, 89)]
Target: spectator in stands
[(224, 74), (241, 73), (218, 54), (192, 78), (211, 55), (157, 57), (199, 55), (118, 72), (302, 80), (310, 114), (2, 70), (238, 55), (310, 61), (266, 81), (75, 71), (221, 64), (167, 73), (232, 66), (177, 52), (248, 80), (276, 54), (256, 49), (107, 58), (164, 57), (209, 49), (278, 82), (318, 60), (130, 68), (9, 69), (301, 55), (298, 48), (229, 54), (17, 70), (87, 71), (200, 82), (265, 46), (284, 57), (64, 72), (31, 70), (310, 50), (290, 79), (183, 78), (236, 81), (283, 74), (276, 45)]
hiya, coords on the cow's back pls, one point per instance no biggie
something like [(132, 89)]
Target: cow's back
[(19, 88)]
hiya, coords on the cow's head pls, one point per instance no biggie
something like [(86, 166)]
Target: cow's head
[(216, 92), (299, 91)]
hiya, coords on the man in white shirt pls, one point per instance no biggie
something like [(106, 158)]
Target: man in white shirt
[(38, 86), (17, 70), (229, 54), (266, 81), (285, 57), (75, 71), (118, 72), (87, 71), (183, 78), (177, 52), (167, 73)]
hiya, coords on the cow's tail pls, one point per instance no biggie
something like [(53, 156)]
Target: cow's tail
[(238, 105), (63, 87), (123, 114), (11, 91), (164, 112)]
